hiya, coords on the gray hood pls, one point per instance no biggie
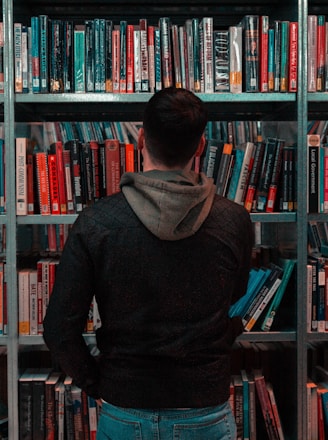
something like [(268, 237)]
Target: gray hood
[(171, 204)]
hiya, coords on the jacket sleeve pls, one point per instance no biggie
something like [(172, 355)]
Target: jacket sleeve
[(68, 309)]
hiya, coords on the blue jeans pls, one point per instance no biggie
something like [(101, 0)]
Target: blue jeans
[(213, 423)]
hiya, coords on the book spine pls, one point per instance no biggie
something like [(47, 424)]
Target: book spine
[(264, 33), (112, 153), (196, 55), (273, 188), (266, 174), (151, 58), (221, 43), (293, 56), (313, 142), (116, 60), (56, 82), (130, 58), (108, 65), (223, 169), (271, 53), (176, 56), (68, 56), (123, 48), (277, 54), (166, 48), (94, 150), (244, 172), (251, 54), (35, 34), (59, 151), (53, 184), (68, 181), (21, 177), (190, 54), (91, 52), (79, 59), (208, 54), (23, 302), (312, 53), (284, 56), (137, 61), (44, 52), (25, 66), (18, 58), (74, 147), (43, 183), (102, 55), (143, 25), (183, 56), (321, 41), (158, 60), (254, 176)]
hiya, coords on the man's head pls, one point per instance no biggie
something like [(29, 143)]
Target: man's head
[(173, 127)]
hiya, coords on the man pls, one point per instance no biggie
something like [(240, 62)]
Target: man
[(165, 259)]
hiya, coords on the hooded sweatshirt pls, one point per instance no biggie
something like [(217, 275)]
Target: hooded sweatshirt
[(164, 259)]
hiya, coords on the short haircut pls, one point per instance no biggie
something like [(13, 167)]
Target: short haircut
[(174, 122)]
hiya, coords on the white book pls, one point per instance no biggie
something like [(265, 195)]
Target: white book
[(236, 46), (23, 302), (21, 177), (33, 284), (243, 177), (312, 53), (208, 55)]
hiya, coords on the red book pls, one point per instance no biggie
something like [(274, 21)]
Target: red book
[(57, 148), (113, 174), (264, 33), (151, 57), (130, 58), (43, 182), (116, 60), (293, 56), (129, 158), (53, 184), (321, 52)]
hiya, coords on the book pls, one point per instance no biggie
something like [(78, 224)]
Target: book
[(112, 155), (287, 198), (157, 55), (56, 71), (271, 59), (265, 405), (312, 53), (176, 59), (74, 147), (137, 60), (21, 175), (251, 53), (33, 298), (23, 302), (312, 409), (221, 42), (288, 267), (259, 150), (130, 59), (44, 53), (262, 297), (223, 170), (69, 415), (79, 58), (166, 50), (293, 56), (25, 392), (277, 54), (68, 56), (208, 54), (262, 190), (40, 376), (275, 410), (2, 66), (235, 58), (264, 51), (284, 58), (116, 53), (245, 169), (60, 408), (76, 394), (196, 53), (245, 386), (313, 176), (238, 405), (50, 405), (93, 418), (18, 57), (100, 55), (143, 26), (58, 150), (91, 42), (53, 184), (68, 181), (24, 59), (275, 177), (321, 53)]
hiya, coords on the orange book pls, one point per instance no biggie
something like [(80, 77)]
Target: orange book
[(53, 184), (43, 182), (116, 60), (129, 158), (113, 174)]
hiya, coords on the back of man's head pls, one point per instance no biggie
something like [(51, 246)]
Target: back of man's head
[(174, 122)]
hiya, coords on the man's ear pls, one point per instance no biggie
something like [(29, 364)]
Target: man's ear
[(141, 139), (201, 146)]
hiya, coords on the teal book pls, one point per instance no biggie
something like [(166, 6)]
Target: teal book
[(239, 156), (44, 54), (244, 379), (288, 267), (284, 56), (271, 60), (35, 54), (79, 59)]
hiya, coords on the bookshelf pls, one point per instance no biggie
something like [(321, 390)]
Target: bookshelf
[(298, 107)]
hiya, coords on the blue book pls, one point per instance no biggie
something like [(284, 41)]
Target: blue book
[(35, 54), (239, 156), (271, 60)]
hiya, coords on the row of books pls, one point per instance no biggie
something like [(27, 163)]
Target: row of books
[(266, 288), (317, 293), (67, 178), (259, 175), (255, 408), (52, 406), (317, 403), (35, 286), (98, 55)]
